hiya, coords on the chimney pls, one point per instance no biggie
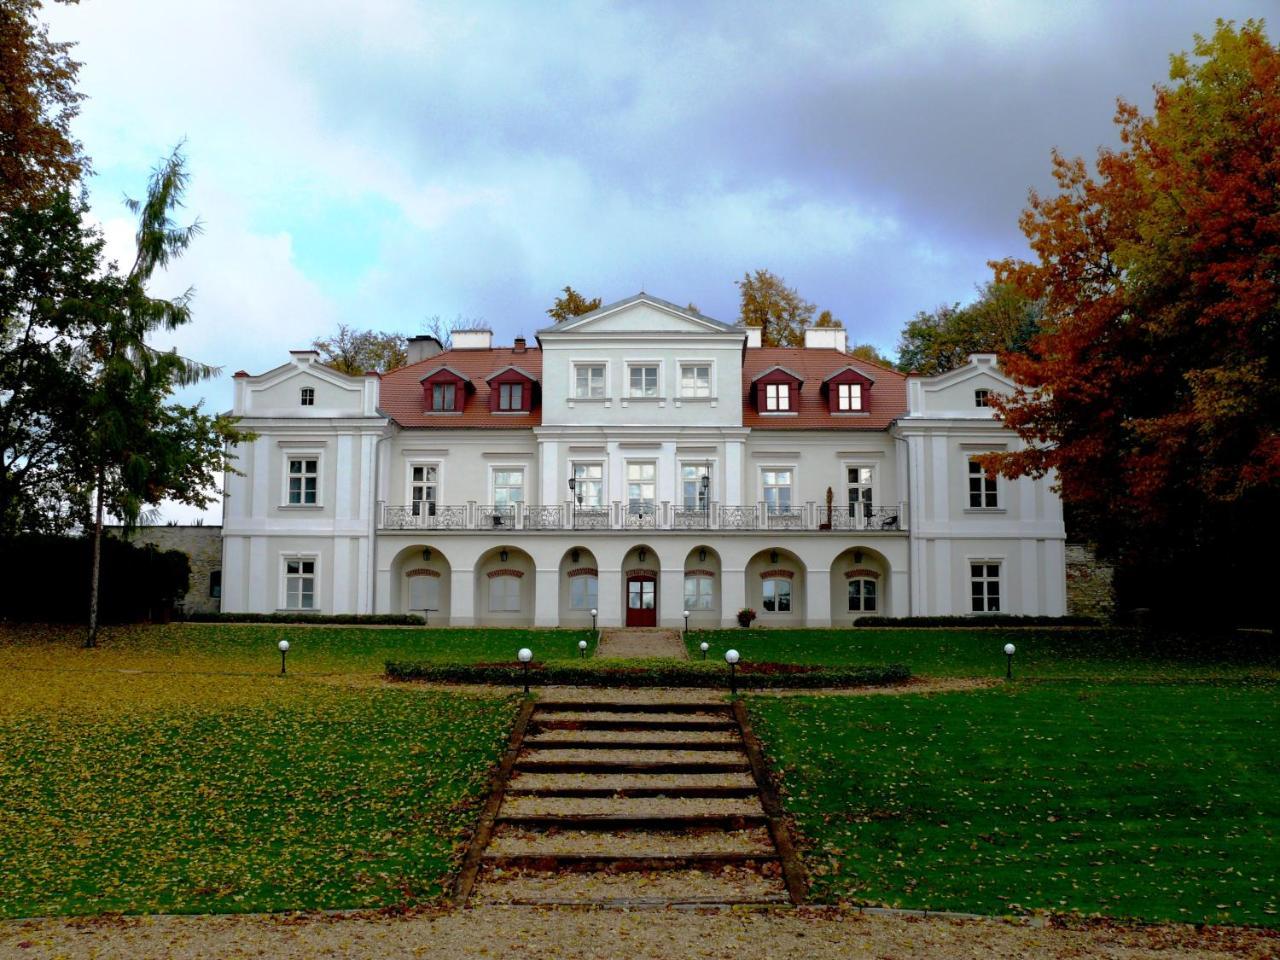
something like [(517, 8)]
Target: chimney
[(472, 339), (421, 347), (753, 338), (825, 338), (520, 345)]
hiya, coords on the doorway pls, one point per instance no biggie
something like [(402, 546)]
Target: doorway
[(642, 601)]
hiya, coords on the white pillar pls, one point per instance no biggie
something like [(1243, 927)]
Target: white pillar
[(609, 597), (733, 472), (733, 594), (546, 604), (899, 593), (462, 598), (671, 596), (817, 597)]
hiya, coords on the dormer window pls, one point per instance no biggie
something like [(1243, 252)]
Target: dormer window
[(849, 396), (776, 390), (511, 390), (981, 398), (444, 390), (511, 396), (307, 398), (777, 397), (848, 390), (444, 396)]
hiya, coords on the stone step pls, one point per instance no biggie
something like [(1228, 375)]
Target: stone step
[(600, 720), (627, 737), (659, 806), (586, 740), (679, 885), (632, 784), (601, 703), (601, 764), (671, 846)]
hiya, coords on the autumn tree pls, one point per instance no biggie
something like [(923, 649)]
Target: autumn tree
[(868, 351), (1001, 320), (38, 101), (827, 319), (1153, 389), (572, 304), (355, 351), (778, 310)]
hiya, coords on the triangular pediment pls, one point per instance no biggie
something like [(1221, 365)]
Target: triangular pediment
[(640, 314)]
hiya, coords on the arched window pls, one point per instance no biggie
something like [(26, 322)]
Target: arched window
[(699, 593), (424, 593), (862, 596), (504, 594), (777, 596), (583, 592)]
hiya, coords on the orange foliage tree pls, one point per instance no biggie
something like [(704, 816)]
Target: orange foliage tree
[(1153, 388)]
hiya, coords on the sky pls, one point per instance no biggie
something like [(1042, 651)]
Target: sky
[(383, 162)]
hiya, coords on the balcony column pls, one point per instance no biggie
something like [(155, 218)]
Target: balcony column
[(671, 595), (462, 597), (546, 605), (817, 596), (733, 593), (609, 597)]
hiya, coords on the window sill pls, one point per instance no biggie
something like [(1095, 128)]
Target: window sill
[(779, 413), (311, 610), (442, 413), (302, 506), (511, 413), (996, 510), (851, 413)]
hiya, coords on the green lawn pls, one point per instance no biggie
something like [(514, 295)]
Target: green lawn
[(1055, 653), (178, 794), (1158, 801), (248, 649)]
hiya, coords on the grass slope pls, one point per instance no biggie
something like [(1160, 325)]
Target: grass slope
[(1151, 801), (1059, 653)]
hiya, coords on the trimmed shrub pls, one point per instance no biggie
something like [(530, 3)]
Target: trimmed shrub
[(978, 620), (370, 619), (649, 673)]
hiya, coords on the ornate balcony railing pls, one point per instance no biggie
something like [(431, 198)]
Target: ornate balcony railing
[(866, 517)]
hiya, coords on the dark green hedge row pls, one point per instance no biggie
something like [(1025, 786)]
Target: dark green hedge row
[(978, 620), (649, 673), (373, 619)]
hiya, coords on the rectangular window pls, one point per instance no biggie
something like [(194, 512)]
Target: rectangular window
[(699, 593), (299, 583), (588, 484), (695, 495), (982, 488), (695, 380), (849, 396), (423, 484), (980, 398), (642, 488), (583, 593), (443, 396), (308, 396), (424, 595), (777, 490), (777, 396), (777, 596), (862, 596), (504, 595), (588, 381), (984, 579), (644, 381), (215, 585), (304, 481), (858, 483), (511, 396), (508, 487)]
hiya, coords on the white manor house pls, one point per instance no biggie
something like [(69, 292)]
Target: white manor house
[(640, 460)]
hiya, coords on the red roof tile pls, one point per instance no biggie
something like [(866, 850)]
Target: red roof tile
[(886, 400), (401, 392)]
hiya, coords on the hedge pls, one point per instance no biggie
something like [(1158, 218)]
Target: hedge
[(649, 673), (978, 620), (372, 619)]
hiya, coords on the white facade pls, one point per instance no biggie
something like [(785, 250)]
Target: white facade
[(357, 496)]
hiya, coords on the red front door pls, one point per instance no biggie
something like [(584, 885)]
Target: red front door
[(642, 602)]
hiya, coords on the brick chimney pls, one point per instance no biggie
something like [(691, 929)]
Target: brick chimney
[(520, 345)]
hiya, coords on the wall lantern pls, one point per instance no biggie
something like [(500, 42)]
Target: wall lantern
[(502, 555), (773, 556), (857, 556), (574, 554), (702, 555), (642, 554), (426, 553)]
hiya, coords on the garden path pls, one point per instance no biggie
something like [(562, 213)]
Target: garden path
[(627, 643)]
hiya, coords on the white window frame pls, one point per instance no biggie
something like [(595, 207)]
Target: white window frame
[(862, 597), (573, 384), (495, 468), (696, 603), (871, 487), (626, 481), (989, 498), (318, 457), (845, 397), (711, 380), (710, 466), (315, 581), (659, 382), (506, 595), (442, 386), (985, 578), (604, 482), (778, 468), (307, 397), (981, 396), (590, 595), (409, 482), (764, 599), (772, 403), (510, 388)]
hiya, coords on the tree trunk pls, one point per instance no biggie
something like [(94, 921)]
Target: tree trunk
[(92, 639)]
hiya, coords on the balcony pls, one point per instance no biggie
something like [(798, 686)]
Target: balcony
[(809, 517)]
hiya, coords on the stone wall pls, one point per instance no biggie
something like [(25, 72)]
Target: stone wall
[(203, 547), (1090, 592)]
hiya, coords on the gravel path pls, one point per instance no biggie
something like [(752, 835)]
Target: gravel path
[(577, 934), (622, 643), (706, 886)]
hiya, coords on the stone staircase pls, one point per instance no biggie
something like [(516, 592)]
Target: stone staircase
[(633, 798)]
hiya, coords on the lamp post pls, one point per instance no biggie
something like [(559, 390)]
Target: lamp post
[(283, 647), (1009, 650), (594, 611), (524, 656), (686, 621), (731, 658), (704, 647), (582, 649)]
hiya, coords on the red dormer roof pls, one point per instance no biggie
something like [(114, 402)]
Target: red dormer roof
[(886, 399), (401, 391)]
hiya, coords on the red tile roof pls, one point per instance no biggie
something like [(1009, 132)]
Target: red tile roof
[(886, 400), (402, 400)]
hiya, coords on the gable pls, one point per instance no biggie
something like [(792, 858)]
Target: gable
[(278, 392), (951, 394), (640, 314)]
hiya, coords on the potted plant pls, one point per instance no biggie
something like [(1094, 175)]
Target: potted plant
[(826, 525), (745, 616)]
